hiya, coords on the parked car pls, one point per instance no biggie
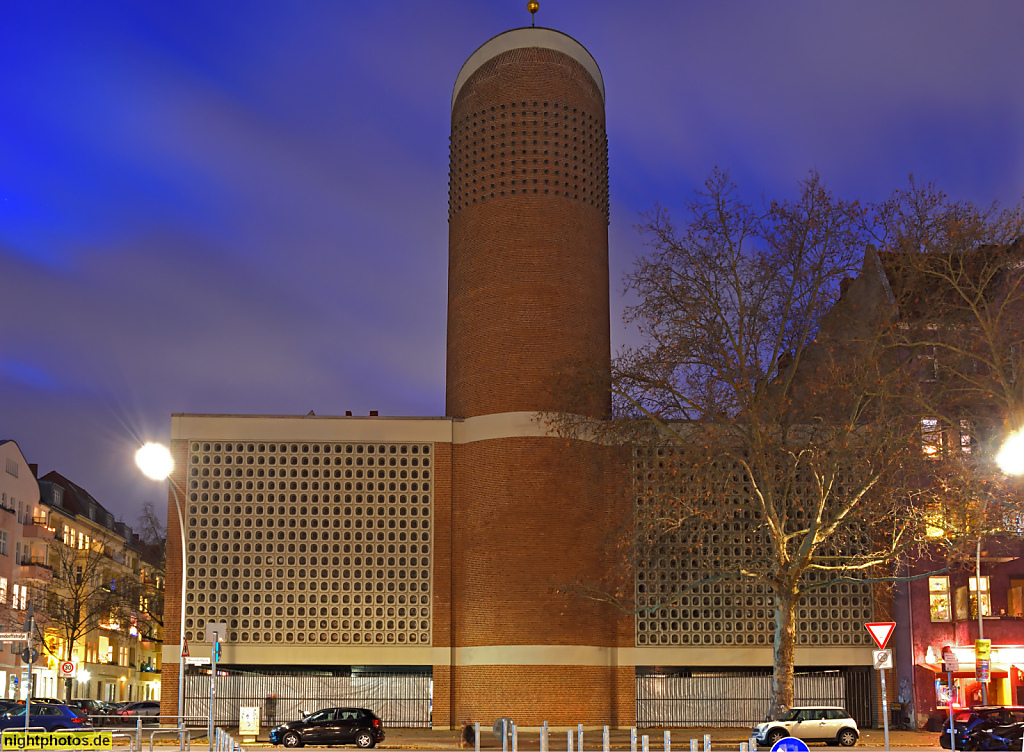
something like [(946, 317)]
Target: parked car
[(814, 723), (969, 720), (995, 738), (51, 716), (357, 726), (147, 709), (96, 710)]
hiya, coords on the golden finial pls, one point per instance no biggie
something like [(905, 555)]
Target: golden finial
[(533, 6)]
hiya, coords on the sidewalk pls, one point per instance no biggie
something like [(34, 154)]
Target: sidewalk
[(529, 739)]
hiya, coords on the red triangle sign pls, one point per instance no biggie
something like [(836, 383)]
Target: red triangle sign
[(184, 648), (880, 632)]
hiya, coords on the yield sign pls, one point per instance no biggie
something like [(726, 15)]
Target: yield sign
[(184, 648), (880, 632)]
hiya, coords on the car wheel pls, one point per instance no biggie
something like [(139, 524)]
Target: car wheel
[(291, 739), (846, 738), (774, 735), (364, 740)]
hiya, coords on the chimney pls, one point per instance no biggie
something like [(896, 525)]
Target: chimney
[(373, 413), (348, 413), (34, 469)]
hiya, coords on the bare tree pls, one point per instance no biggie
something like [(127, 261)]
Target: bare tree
[(772, 443), (82, 597)]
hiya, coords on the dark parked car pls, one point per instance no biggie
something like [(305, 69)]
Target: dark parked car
[(996, 738), (50, 716), (970, 720), (357, 726), (96, 710)]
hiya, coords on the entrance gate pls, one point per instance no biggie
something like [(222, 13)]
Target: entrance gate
[(400, 698)]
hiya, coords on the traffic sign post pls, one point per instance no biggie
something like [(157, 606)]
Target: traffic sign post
[(881, 632), (952, 665)]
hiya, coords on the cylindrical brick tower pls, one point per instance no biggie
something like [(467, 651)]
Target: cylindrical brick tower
[(528, 333)]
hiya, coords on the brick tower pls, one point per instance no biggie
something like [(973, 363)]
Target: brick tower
[(528, 332)]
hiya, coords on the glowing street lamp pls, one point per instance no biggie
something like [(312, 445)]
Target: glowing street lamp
[(155, 461), (1011, 456)]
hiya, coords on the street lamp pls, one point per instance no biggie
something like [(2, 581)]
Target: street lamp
[(154, 460), (1010, 460)]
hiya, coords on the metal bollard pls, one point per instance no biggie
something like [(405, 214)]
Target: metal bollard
[(605, 741), (668, 741), (515, 738), (744, 747), (504, 735), (707, 742), (753, 744), (693, 745), (476, 736), (568, 740), (579, 737), (645, 743), (544, 738), (632, 740)]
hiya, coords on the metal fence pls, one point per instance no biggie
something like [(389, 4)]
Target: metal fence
[(721, 697), (401, 699)]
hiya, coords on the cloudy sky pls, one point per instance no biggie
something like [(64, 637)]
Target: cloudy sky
[(240, 207)]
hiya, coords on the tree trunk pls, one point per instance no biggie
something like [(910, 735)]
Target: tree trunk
[(784, 652)]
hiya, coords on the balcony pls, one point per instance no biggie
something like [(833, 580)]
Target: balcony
[(35, 569), (37, 530)]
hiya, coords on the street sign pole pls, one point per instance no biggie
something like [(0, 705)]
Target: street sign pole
[(952, 665), (885, 710)]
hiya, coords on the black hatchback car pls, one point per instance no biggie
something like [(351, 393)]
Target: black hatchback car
[(971, 720), (357, 726)]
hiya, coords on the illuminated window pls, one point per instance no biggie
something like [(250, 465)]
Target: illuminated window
[(986, 600), (931, 436), (3, 590), (938, 599)]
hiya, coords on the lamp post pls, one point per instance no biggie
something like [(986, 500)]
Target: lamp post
[(1010, 460), (154, 460)]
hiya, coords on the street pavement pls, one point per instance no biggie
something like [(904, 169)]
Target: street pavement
[(529, 739)]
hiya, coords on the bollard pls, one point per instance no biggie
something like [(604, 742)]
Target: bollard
[(568, 740), (605, 741), (515, 738), (668, 741), (707, 742), (504, 735), (476, 736), (579, 737), (544, 738), (744, 747), (632, 740), (693, 745), (645, 743), (753, 744)]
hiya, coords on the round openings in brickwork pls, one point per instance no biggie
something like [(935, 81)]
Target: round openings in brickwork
[(312, 560), (528, 150), (676, 606)]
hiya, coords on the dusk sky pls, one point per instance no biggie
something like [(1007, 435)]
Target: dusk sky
[(241, 207)]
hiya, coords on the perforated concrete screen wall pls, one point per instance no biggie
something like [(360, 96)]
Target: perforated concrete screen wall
[(676, 606), (309, 543)]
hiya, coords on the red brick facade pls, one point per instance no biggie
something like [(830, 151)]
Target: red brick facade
[(528, 316)]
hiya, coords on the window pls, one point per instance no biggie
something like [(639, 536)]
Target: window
[(12, 467), (4, 538), (938, 598), (986, 601), (3, 590), (20, 601), (966, 436), (931, 436), (17, 552), (58, 496)]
